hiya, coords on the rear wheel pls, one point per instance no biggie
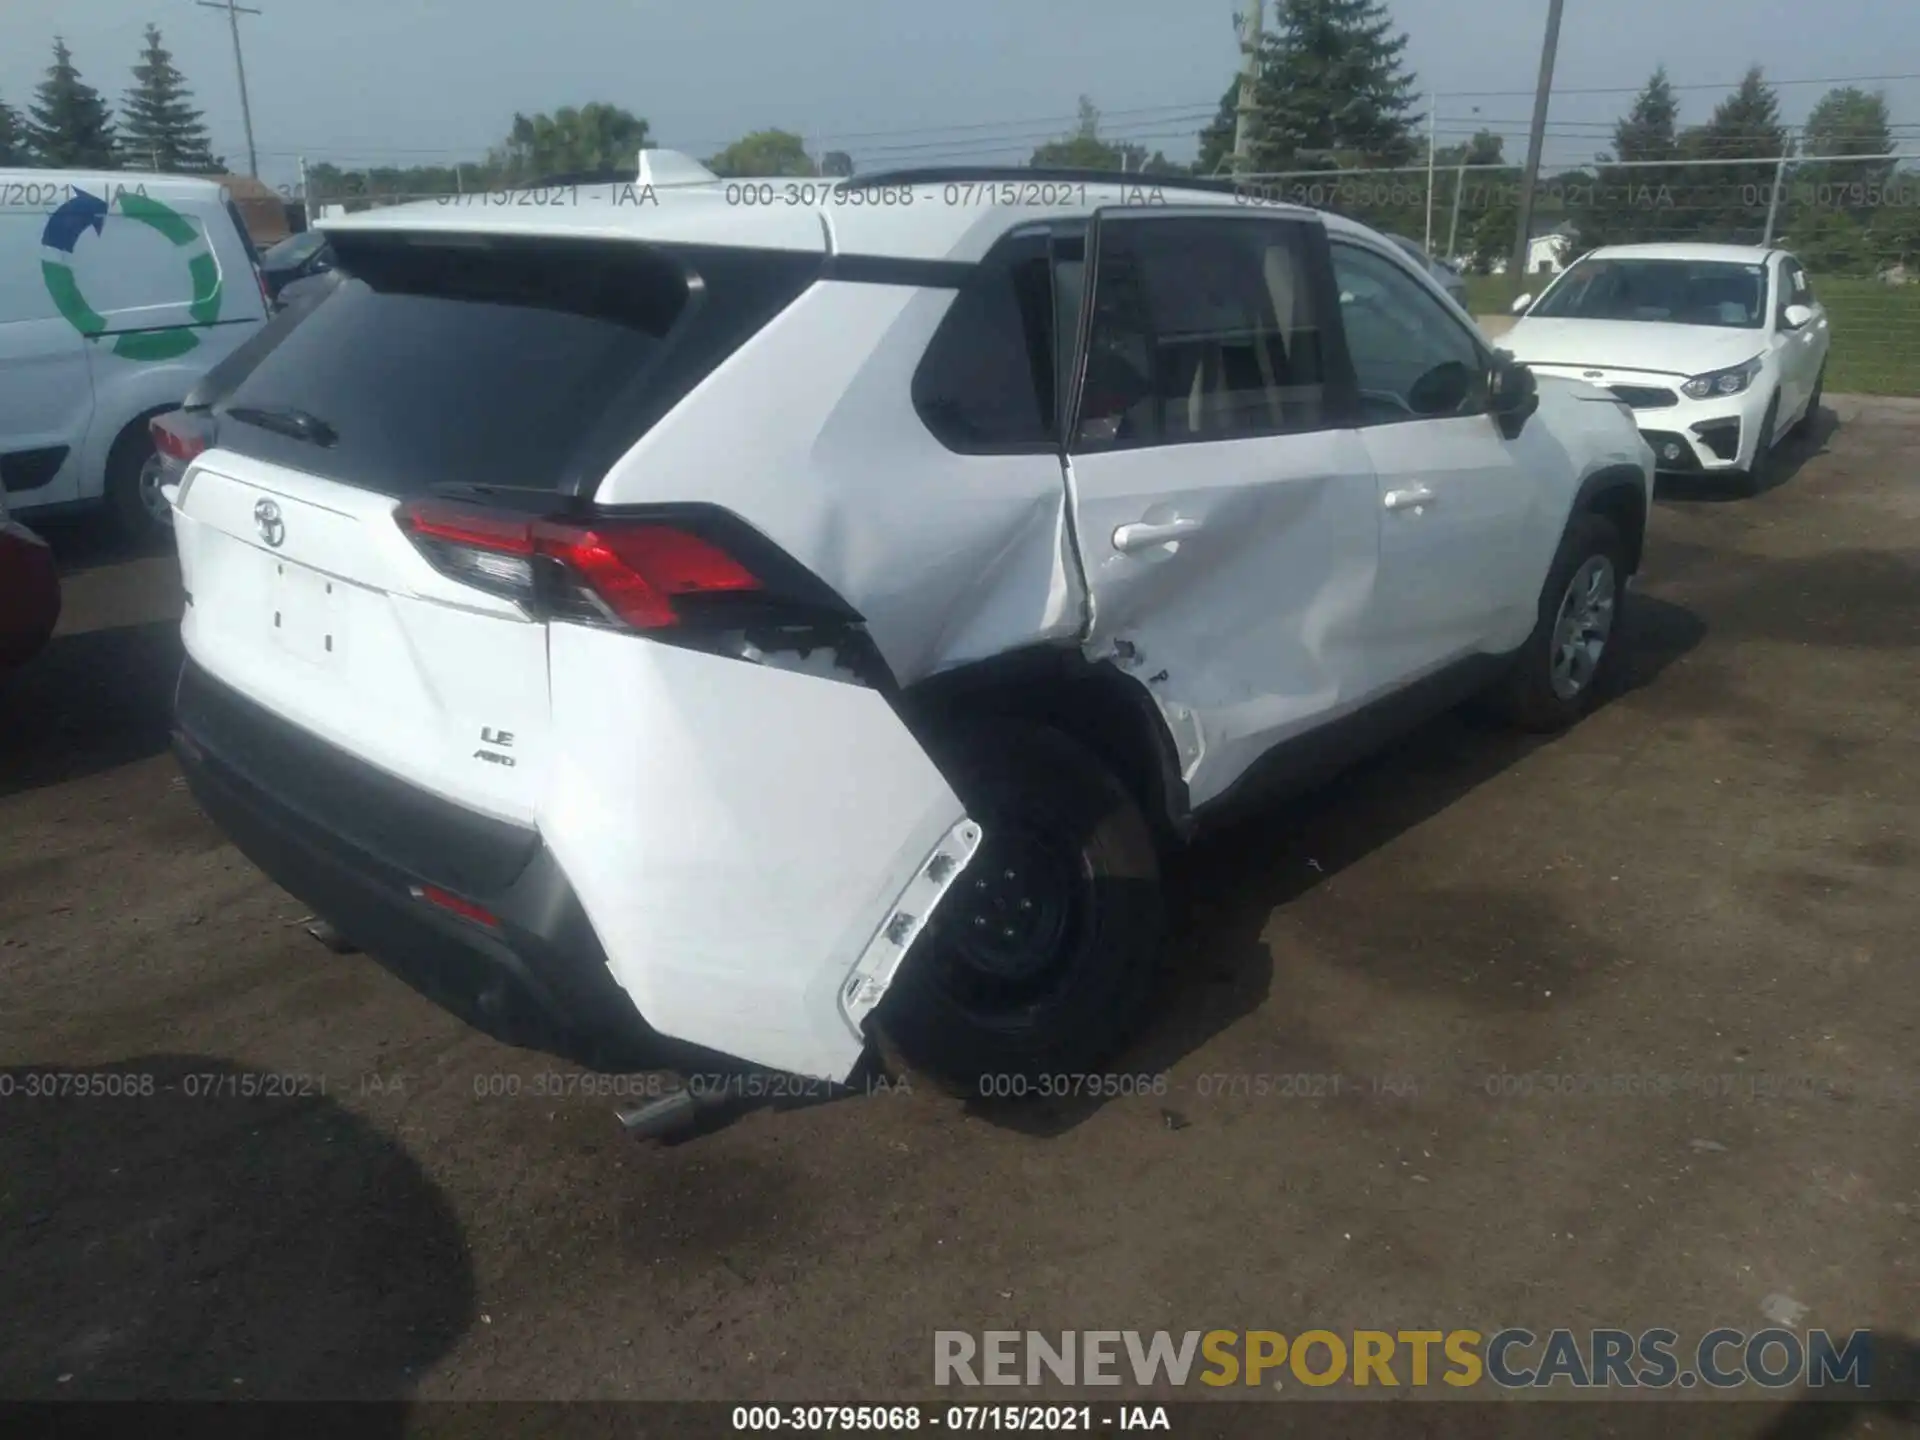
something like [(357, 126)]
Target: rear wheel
[(1572, 651), (136, 510), (1041, 960)]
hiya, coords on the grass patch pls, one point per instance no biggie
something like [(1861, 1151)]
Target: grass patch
[(1876, 330)]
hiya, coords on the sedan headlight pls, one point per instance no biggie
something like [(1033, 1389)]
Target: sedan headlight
[(1722, 382)]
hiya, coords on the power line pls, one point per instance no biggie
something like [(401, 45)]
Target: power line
[(1136, 124)]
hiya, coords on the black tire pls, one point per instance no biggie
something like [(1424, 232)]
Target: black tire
[(127, 517), (1068, 977), (1754, 479), (1803, 427), (1528, 696)]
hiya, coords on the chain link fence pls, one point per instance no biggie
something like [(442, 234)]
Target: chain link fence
[(1853, 221)]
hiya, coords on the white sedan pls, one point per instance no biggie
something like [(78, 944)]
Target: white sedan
[(1719, 349)]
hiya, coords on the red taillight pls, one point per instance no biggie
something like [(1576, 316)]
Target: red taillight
[(635, 570), (266, 295), (465, 909), (179, 437)]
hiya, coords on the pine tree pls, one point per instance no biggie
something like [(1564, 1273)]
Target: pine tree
[(1635, 201), (1216, 141), (13, 140), (1332, 91), (159, 128), (68, 124), (1729, 202)]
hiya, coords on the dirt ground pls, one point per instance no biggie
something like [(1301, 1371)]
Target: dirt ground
[(1715, 879)]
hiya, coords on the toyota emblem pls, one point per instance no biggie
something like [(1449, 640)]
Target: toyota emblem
[(1592, 374), (266, 517)]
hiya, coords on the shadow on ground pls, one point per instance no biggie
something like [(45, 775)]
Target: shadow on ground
[(197, 1240), (90, 702), (1223, 891), (82, 543), (1789, 457)]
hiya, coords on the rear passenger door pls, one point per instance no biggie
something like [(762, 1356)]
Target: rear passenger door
[(1223, 503), (1454, 498)]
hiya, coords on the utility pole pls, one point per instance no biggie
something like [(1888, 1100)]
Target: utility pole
[(234, 12), (1773, 200), (1459, 184), (1433, 139), (1250, 28), (1535, 137)]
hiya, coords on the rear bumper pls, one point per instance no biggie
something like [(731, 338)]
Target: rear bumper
[(536, 978)]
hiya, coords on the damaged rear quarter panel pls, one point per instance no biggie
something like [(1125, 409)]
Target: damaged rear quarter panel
[(951, 558), (739, 835)]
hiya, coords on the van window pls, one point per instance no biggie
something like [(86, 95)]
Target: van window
[(499, 362), (246, 238)]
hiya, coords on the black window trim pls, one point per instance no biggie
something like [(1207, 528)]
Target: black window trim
[(1481, 349), (1339, 393), (957, 275)]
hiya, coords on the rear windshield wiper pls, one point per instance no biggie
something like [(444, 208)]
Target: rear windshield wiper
[(296, 424)]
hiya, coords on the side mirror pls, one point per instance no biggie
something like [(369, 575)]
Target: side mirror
[(1520, 304), (1798, 317), (1513, 394), (1443, 390)]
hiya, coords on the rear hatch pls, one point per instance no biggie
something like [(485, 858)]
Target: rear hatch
[(506, 372)]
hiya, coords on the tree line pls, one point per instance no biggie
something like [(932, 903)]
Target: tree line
[(1332, 93), (69, 125)]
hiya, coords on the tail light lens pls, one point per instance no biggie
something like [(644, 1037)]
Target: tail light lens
[(630, 573), (180, 434)]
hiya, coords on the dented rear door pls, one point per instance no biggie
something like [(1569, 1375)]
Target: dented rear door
[(1224, 508)]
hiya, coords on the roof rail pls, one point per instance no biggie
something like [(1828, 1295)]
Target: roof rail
[(937, 174)]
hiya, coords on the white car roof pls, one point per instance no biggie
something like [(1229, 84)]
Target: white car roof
[(1734, 254), (955, 219), (178, 188)]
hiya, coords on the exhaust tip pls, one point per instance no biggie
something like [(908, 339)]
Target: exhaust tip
[(332, 938)]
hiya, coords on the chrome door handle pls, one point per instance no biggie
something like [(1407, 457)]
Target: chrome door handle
[(1142, 535), (1410, 499)]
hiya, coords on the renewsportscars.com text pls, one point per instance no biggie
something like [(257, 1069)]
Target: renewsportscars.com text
[(1510, 1359)]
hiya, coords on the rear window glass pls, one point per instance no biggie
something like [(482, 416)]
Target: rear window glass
[(497, 362)]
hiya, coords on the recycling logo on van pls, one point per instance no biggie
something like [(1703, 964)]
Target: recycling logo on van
[(85, 212)]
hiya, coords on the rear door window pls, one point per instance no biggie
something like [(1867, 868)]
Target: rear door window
[(988, 379), (1203, 329), (498, 363)]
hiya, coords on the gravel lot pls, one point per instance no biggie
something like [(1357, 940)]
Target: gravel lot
[(1715, 876)]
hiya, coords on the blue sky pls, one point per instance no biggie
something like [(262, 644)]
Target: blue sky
[(415, 81)]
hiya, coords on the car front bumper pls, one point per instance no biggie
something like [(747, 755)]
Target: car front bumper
[(1719, 434)]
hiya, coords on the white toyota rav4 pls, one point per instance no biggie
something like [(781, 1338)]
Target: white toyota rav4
[(731, 634)]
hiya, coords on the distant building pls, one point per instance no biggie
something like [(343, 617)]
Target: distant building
[(1549, 251)]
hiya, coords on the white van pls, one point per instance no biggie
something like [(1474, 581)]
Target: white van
[(118, 291)]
